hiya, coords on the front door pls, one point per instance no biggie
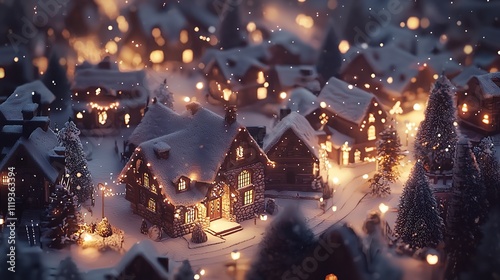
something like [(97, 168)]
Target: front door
[(215, 209)]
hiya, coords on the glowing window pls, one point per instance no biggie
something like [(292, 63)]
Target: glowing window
[(146, 180), (331, 276), (371, 118), (486, 119), (5, 180), (183, 36), (182, 185), (372, 133), (103, 117), (187, 56), (248, 197), (323, 118), (2, 73), (345, 157), (127, 118), (357, 156), (189, 216), (239, 153), (151, 205), (244, 179)]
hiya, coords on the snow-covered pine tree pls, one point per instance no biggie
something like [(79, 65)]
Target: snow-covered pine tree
[(164, 96), (490, 170), (185, 271), (104, 228), (285, 243), (56, 80), (437, 135), (329, 60), (76, 163), (418, 223), (466, 211), (68, 270), (486, 261), (388, 157), (230, 28)]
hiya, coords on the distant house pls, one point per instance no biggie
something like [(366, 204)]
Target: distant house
[(351, 118), (479, 104), (284, 78), (210, 168), (107, 98), (16, 69), (294, 148), (34, 92)]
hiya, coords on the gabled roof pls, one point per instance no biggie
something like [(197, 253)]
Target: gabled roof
[(23, 95), (171, 22), (346, 101), (489, 83), (39, 146), (301, 100), (294, 45), (112, 79), (197, 151), (441, 63), (460, 81), (298, 75), (299, 126)]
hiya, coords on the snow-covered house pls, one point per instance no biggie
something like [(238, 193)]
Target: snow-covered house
[(16, 69), (479, 104), (284, 78), (460, 81), (210, 168), (351, 119), (34, 92), (107, 98), (294, 148)]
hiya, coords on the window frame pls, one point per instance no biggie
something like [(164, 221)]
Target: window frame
[(240, 153), (151, 201), (191, 214), (245, 181), (182, 182), (372, 133), (248, 197)]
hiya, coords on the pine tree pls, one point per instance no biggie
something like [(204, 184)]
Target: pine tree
[(164, 96), (418, 223), (285, 243), (329, 60), (466, 211), (56, 80), (104, 228), (68, 270), (185, 272), (230, 27), (490, 170), (437, 135), (388, 158), (76, 163), (486, 261)]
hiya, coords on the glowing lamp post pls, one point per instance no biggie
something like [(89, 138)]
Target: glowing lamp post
[(235, 255), (103, 189), (383, 209)]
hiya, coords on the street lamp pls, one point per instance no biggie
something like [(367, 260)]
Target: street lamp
[(235, 255), (432, 259), (383, 209), (102, 188)]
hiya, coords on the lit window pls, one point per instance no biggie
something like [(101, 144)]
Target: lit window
[(239, 153), (127, 118), (103, 117), (5, 180), (244, 179), (331, 277), (248, 197), (187, 56), (323, 118), (261, 93), (329, 146), (182, 185), (486, 119), (371, 118), (151, 205), (79, 115), (2, 73), (183, 36), (345, 157), (369, 149), (465, 109), (190, 216), (357, 156), (146, 180), (372, 133)]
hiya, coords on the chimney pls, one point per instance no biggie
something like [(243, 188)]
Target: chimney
[(162, 150), (29, 111), (37, 122), (284, 112), (230, 117), (105, 63), (36, 98)]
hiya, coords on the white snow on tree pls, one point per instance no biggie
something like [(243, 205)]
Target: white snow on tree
[(76, 163), (388, 158), (104, 228), (466, 211), (68, 270), (164, 96), (286, 242), (418, 223), (490, 170), (437, 135)]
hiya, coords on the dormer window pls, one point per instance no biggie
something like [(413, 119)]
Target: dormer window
[(239, 153), (182, 185), (371, 118)]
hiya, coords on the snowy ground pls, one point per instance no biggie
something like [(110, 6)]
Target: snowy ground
[(350, 200)]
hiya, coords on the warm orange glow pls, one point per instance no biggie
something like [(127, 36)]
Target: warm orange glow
[(251, 26), (435, 76), (261, 93), (322, 104), (122, 24), (79, 115), (260, 78), (417, 107), (127, 118), (183, 37), (389, 80), (424, 23), (465, 109), (413, 23), (111, 47), (187, 56), (468, 49), (331, 276), (227, 94), (2, 73), (304, 21), (187, 99), (486, 119), (493, 70), (199, 85), (344, 46), (283, 95), (157, 56)]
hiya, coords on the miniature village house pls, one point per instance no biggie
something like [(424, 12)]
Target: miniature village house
[(210, 168), (106, 98), (16, 69), (479, 104), (294, 148), (351, 119)]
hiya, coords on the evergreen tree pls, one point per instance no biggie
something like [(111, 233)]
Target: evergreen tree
[(388, 157), (104, 228), (329, 60), (230, 29), (76, 163), (285, 243), (437, 135), (164, 96), (68, 270), (56, 80), (185, 272), (418, 223), (486, 262), (466, 211), (490, 170)]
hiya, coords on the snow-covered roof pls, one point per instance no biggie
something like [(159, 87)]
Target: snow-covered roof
[(345, 100), (299, 126), (490, 84), (298, 75), (145, 249), (294, 45), (441, 63), (301, 100), (196, 151), (159, 120), (338, 138), (23, 95), (460, 81), (171, 22), (38, 146), (197, 11), (383, 60)]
